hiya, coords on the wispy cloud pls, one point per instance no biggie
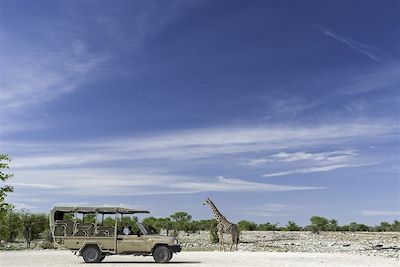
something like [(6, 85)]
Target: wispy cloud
[(112, 183), (370, 51), (33, 185), (20, 205), (326, 168), (152, 164), (32, 78), (380, 212), (224, 184), (272, 210), (330, 156), (61, 58), (204, 143)]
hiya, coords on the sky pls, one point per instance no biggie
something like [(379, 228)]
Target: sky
[(276, 110)]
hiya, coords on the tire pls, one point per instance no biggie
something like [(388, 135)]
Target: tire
[(91, 254), (162, 254), (102, 258), (170, 257)]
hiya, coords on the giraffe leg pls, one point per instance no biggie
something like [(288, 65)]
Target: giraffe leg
[(221, 241), (235, 237), (237, 240)]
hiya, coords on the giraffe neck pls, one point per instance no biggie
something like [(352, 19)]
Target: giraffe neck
[(218, 215)]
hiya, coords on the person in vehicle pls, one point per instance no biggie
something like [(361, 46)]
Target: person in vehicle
[(127, 230)]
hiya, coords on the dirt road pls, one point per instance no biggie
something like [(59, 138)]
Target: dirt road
[(191, 259)]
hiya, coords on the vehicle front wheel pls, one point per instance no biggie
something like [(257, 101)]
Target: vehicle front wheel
[(92, 254), (170, 257), (162, 254), (102, 258)]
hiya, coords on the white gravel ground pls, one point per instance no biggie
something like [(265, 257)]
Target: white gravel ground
[(231, 259)]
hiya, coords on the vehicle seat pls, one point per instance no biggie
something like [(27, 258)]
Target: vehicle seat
[(105, 231), (84, 229)]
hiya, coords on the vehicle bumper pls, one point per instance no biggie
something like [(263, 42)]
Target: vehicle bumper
[(175, 248)]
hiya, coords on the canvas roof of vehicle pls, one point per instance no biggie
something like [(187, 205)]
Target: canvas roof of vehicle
[(104, 210)]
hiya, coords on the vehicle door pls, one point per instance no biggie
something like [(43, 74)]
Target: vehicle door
[(131, 243)]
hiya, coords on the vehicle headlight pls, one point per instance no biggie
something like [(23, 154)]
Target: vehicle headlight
[(176, 242)]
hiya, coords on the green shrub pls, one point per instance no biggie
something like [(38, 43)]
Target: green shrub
[(244, 225), (292, 226), (214, 232), (267, 227)]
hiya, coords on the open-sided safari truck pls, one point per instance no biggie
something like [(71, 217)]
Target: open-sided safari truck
[(86, 232)]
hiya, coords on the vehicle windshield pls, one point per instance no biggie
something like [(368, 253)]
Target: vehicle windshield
[(146, 230)]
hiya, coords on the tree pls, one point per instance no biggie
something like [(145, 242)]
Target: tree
[(355, 227), (244, 225), (166, 224), (384, 227), (152, 222), (33, 224), (318, 224), (205, 224), (11, 226), (292, 226), (395, 226), (109, 221), (333, 225), (89, 218), (5, 189), (267, 227), (181, 220)]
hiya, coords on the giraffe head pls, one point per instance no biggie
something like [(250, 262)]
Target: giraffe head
[(207, 201)]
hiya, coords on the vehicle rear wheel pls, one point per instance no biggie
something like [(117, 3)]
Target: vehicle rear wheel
[(162, 254), (92, 254)]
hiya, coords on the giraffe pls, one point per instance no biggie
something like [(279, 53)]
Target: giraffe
[(224, 226)]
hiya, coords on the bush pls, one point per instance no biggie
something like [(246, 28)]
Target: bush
[(214, 232), (46, 235), (355, 227), (11, 226), (181, 221), (292, 226), (267, 227), (33, 225), (47, 245), (318, 224), (244, 225)]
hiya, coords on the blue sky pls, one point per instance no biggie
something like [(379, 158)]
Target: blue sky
[(277, 110)]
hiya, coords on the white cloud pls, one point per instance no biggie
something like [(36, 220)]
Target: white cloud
[(84, 182), (204, 143), (224, 184), (64, 59), (272, 210), (33, 77), (380, 212), (92, 167), (331, 156), (370, 51), (20, 205), (326, 168), (34, 185)]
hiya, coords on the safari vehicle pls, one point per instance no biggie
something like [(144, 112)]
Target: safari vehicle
[(94, 239)]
